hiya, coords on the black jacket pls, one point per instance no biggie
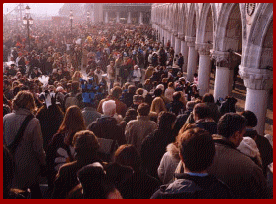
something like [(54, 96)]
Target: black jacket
[(154, 147), (194, 187), (266, 150), (107, 127)]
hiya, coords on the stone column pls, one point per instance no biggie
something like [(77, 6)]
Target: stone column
[(184, 49), (173, 39), (192, 58), (204, 68), (177, 45), (129, 18), (141, 18), (117, 17), (257, 83), (221, 89), (106, 17)]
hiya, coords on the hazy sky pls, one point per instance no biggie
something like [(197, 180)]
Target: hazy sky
[(36, 8)]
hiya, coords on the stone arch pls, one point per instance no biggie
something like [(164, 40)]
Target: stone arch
[(206, 24), (191, 21), (227, 27), (183, 19), (260, 33)]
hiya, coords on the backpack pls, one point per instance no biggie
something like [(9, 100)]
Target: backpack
[(71, 100)]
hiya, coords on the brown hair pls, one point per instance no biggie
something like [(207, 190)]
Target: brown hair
[(197, 149), (143, 109), (24, 99), (128, 155), (85, 141), (72, 123)]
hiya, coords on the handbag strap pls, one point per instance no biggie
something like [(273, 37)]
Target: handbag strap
[(12, 147)]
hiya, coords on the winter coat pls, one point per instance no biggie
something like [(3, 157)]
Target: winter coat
[(194, 187), (90, 115), (238, 171), (107, 127), (137, 130), (207, 124), (168, 164), (153, 148), (266, 150), (29, 155)]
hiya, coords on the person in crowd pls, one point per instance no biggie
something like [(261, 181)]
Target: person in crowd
[(137, 130), (197, 151), (94, 184), (111, 73), (249, 147), (182, 118), (169, 91), (180, 61), (98, 72), (140, 185), (137, 100), (176, 106), (107, 126), (50, 117), (266, 151), (90, 113), (158, 103), (116, 93), (127, 97), (228, 106), (154, 145), (74, 97), (149, 71), (243, 169), (202, 116), (136, 75), (171, 160), (25, 143), (131, 114), (86, 145), (209, 100), (60, 149)]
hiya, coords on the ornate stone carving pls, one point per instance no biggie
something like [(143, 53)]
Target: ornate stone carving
[(175, 33), (203, 48), (222, 58), (181, 36), (258, 79), (250, 8), (190, 41)]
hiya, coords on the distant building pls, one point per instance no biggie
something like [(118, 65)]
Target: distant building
[(135, 13)]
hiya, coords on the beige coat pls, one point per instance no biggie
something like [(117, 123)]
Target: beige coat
[(137, 130), (29, 154)]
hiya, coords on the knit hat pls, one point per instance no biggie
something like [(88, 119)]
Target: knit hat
[(249, 147)]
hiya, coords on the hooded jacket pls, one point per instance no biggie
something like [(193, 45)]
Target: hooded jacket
[(194, 187)]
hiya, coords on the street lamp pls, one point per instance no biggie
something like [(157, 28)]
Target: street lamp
[(27, 20), (71, 18)]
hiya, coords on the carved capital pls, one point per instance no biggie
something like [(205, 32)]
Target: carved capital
[(222, 58), (257, 79), (203, 48), (190, 41), (181, 36)]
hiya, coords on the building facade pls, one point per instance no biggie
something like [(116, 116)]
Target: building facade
[(229, 34), (131, 13)]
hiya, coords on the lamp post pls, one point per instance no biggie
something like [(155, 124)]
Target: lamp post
[(71, 19), (27, 20)]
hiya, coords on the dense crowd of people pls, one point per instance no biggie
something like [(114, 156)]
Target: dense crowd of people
[(105, 112)]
